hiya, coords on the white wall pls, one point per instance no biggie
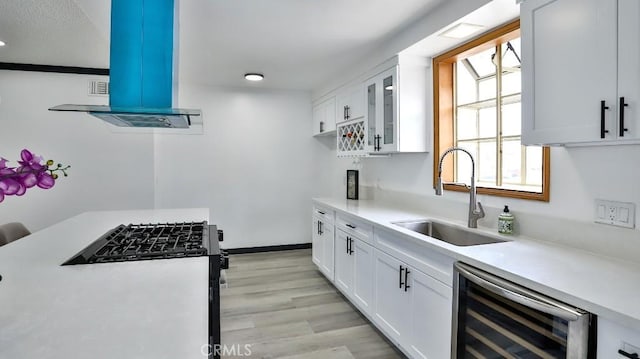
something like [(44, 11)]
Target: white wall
[(108, 171), (254, 166), (578, 177)]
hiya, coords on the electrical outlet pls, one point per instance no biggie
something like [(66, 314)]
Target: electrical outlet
[(621, 214)]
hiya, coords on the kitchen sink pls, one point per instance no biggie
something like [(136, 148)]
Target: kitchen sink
[(451, 234)]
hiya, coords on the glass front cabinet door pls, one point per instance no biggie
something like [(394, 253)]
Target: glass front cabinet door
[(382, 109)]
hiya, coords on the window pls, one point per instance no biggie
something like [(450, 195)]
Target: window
[(477, 107)]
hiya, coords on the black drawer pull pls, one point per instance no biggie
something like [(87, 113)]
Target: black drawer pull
[(350, 246), (350, 226), (322, 213), (406, 279), (400, 279), (603, 107), (622, 106), (628, 355)]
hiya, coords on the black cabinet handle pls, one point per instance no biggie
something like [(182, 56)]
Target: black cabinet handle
[(406, 279), (320, 231), (347, 242), (321, 126), (622, 106), (400, 279), (376, 143), (628, 355), (350, 246), (322, 213), (348, 112), (603, 107), (350, 226)]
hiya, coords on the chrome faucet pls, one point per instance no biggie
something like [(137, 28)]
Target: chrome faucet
[(474, 213)]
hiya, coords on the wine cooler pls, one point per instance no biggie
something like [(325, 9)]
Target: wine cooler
[(495, 318)]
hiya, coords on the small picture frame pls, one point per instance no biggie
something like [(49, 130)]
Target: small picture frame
[(352, 184)]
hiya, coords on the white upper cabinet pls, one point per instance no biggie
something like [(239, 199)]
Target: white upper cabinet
[(350, 102), (324, 117), (398, 107), (382, 104), (628, 68), (580, 62)]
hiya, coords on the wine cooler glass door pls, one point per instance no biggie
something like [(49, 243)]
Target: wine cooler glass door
[(496, 318)]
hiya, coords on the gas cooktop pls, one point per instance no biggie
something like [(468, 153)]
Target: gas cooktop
[(135, 242)]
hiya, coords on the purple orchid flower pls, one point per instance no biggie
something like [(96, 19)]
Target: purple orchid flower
[(31, 172)]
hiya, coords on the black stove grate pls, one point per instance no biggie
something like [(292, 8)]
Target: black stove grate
[(135, 242)]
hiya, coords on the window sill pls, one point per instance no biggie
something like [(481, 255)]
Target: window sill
[(510, 193)]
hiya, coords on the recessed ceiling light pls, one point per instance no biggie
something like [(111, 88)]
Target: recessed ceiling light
[(2, 43), (461, 30), (254, 77)]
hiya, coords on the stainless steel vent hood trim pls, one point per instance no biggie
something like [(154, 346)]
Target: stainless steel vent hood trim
[(136, 117)]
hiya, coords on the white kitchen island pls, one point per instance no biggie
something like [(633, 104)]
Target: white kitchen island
[(143, 309)]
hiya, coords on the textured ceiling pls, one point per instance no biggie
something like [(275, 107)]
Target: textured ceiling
[(296, 43), (51, 32)]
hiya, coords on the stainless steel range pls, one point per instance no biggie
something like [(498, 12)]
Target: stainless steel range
[(156, 241)]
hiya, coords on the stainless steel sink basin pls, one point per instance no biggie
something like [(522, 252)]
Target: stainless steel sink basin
[(448, 233)]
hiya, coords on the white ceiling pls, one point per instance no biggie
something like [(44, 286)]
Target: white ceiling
[(297, 44), (493, 14)]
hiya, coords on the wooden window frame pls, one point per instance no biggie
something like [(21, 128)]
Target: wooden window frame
[(443, 124)]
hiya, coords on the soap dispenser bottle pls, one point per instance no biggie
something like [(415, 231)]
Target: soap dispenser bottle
[(505, 221)]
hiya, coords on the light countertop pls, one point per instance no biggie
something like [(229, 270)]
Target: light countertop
[(605, 286), (144, 309)]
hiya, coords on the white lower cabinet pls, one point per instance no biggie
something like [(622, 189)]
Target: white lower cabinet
[(363, 280), (316, 242), (391, 312), (430, 333), (412, 308), (353, 270), (613, 337), (323, 246), (403, 289), (344, 262)]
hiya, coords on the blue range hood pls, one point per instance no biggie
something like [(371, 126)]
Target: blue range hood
[(141, 68)]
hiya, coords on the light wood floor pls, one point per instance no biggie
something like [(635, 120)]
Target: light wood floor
[(280, 304)]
